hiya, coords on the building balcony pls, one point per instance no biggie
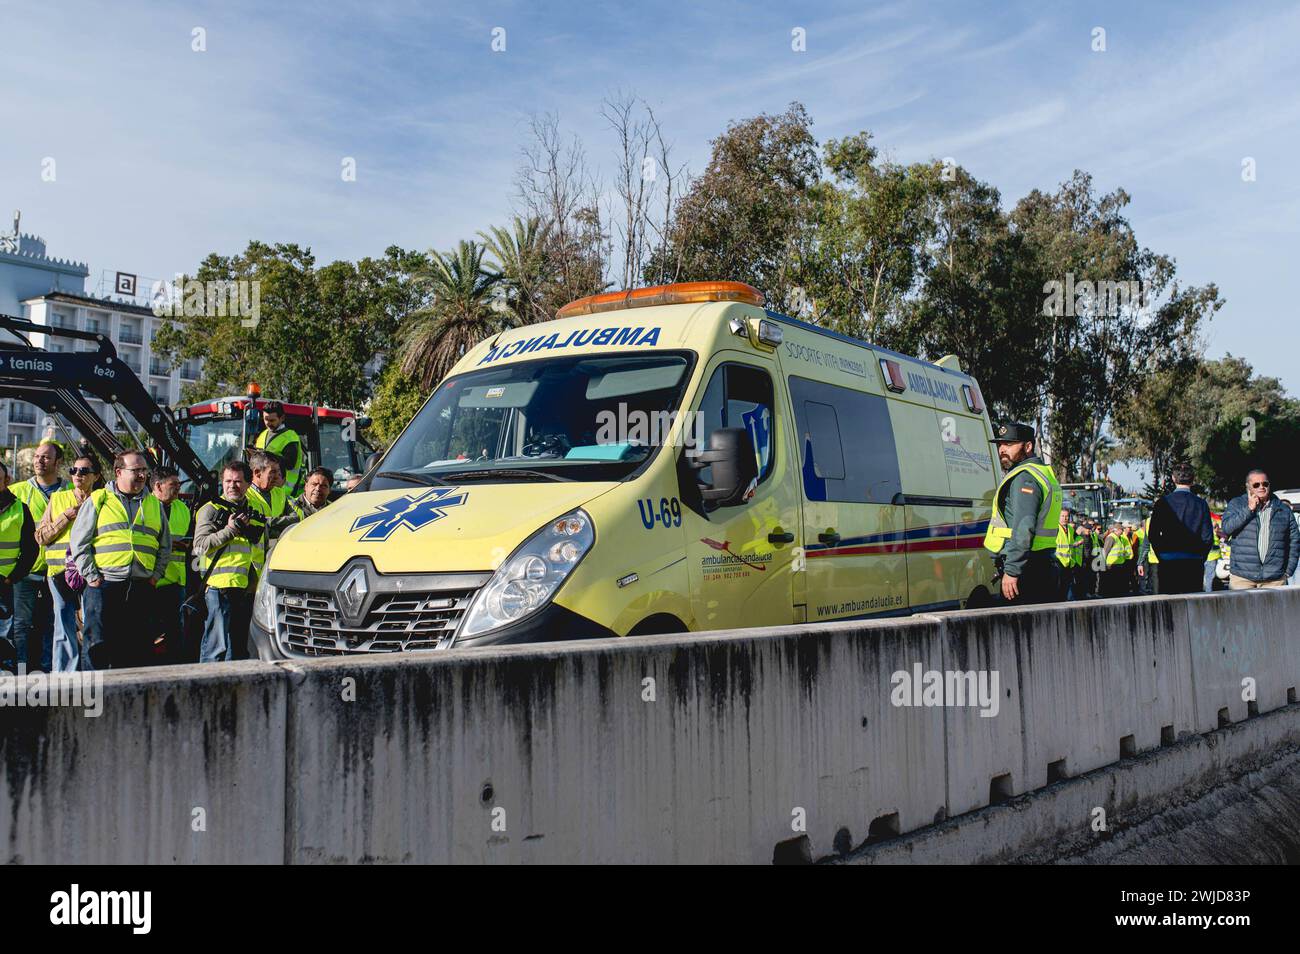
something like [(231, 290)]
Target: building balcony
[(160, 368), (22, 414), (130, 337), (190, 372)]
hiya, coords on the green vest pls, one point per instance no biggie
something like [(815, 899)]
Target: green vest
[(11, 536), (1121, 552), (1049, 519), (1143, 534), (276, 445), (179, 525), (1065, 545), (231, 571), (56, 553), (276, 505), (119, 541), (36, 502)]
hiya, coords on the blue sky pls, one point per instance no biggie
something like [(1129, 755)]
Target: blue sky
[(165, 154)]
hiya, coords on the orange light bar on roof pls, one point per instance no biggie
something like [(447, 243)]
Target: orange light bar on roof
[(676, 294)]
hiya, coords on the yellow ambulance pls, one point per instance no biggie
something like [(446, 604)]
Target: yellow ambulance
[(668, 459)]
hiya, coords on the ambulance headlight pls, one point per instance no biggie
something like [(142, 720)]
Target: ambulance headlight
[(264, 605), (527, 581)]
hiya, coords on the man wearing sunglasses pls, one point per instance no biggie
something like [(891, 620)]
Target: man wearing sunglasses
[(1264, 537)]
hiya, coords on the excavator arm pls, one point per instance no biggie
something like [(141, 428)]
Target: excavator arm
[(43, 377)]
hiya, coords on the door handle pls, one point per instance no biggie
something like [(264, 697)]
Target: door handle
[(784, 536), (829, 537)]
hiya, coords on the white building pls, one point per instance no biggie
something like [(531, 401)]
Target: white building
[(51, 292)]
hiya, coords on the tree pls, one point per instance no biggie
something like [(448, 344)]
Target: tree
[(554, 185), (750, 216), (1232, 450), (463, 312), (978, 293), (397, 398), (872, 225), (317, 330), (522, 258), (1105, 330)]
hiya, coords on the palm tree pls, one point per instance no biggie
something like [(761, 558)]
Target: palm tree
[(464, 311), (522, 259)]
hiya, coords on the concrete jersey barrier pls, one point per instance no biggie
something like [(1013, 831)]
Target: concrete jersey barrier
[(795, 742)]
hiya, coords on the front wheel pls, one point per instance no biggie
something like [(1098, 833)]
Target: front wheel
[(661, 624)]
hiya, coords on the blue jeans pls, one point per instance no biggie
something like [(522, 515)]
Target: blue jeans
[(1209, 575), (33, 631), (67, 647), (225, 634), (6, 611)]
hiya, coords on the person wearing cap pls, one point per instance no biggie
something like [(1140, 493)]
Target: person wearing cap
[(1026, 519), (282, 441)]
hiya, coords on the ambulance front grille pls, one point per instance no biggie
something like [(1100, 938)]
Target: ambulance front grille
[(311, 625)]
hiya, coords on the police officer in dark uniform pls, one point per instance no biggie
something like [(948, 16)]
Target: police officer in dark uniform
[(1026, 518)]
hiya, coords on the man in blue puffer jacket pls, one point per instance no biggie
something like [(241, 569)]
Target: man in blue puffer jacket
[(1264, 536)]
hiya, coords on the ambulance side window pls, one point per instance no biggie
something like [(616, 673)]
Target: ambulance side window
[(737, 395), (846, 444)]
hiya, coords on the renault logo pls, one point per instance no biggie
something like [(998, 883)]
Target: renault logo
[(352, 592)]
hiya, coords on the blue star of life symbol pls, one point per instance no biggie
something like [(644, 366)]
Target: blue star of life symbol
[(412, 512)]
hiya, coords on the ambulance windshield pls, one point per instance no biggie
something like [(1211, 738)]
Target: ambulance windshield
[(579, 418)]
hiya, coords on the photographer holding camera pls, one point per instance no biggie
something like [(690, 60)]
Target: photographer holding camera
[(226, 533)]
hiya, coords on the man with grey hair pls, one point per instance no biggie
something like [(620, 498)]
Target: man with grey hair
[(1264, 537), (122, 546)]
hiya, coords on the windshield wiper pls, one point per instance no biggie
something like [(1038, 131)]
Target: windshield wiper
[(506, 472), (427, 480)]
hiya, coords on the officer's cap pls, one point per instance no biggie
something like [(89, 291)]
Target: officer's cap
[(1010, 432)]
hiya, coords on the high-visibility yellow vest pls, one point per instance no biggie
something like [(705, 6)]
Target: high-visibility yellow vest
[(11, 536), (276, 445), (998, 533), (1146, 533), (233, 566), (1121, 552), (270, 504), (119, 540), (1076, 548), (56, 553), (1213, 555), (30, 494), (178, 522), (1064, 545)]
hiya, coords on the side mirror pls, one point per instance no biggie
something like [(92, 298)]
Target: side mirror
[(364, 421), (730, 454), (372, 460)]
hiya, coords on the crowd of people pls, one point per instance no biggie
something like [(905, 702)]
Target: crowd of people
[(98, 571), (1046, 553), (1180, 548)]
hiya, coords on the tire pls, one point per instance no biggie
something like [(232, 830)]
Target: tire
[(661, 624)]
